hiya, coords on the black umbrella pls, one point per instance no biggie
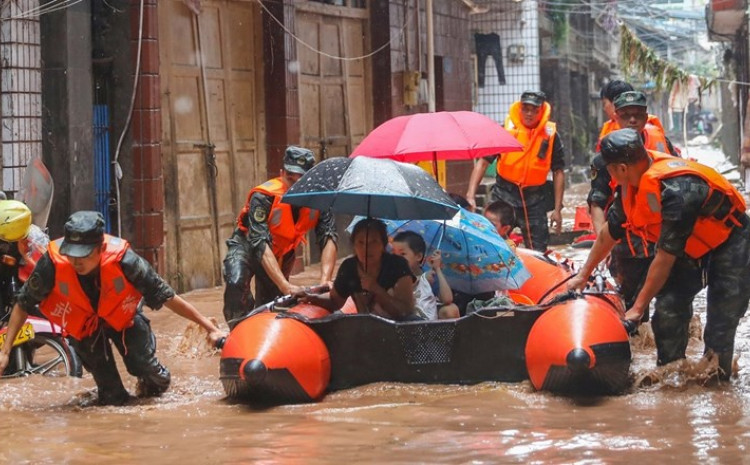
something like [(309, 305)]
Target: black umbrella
[(372, 187)]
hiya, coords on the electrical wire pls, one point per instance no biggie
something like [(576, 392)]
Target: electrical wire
[(30, 11), (51, 7), (67, 4), (328, 55), (115, 160), (112, 7)]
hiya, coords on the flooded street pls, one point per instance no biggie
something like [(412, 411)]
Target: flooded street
[(185, 122), (669, 415), (675, 419)]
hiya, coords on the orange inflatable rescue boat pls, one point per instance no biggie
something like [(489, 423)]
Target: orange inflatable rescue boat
[(578, 346), (563, 342)]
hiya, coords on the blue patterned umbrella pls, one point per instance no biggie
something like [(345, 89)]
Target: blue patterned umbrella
[(475, 258)]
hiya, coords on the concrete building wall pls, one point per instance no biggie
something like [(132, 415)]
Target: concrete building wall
[(67, 115), (406, 22), (408, 54), (113, 67)]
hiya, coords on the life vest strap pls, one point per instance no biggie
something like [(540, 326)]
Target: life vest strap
[(735, 218)]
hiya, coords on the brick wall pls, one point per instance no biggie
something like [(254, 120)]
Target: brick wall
[(282, 99), (147, 187)]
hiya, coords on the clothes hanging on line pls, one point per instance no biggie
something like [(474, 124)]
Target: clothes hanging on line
[(488, 45)]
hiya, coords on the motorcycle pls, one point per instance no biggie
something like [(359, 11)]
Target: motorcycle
[(39, 347)]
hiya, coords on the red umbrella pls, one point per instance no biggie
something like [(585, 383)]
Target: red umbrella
[(445, 135)]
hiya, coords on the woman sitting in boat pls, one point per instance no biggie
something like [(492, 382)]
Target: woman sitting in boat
[(379, 282)]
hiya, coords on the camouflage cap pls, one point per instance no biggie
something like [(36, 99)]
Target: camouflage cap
[(623, 146), (84, 231), (298, 159), (534, 97), (632, 98)]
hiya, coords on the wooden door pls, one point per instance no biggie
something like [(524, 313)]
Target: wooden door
[(335, 97), (212, 112)]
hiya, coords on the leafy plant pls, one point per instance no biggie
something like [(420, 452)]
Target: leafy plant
[(557, 11), (637, 57)]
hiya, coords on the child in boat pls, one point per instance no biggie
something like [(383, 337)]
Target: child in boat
[(412, 247), (503, 217)]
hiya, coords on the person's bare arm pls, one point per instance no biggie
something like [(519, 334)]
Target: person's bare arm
[(445, 294), (17, 319), (658, 273), (598, 218), (331, 300), (601, 248), (328, 262), (558, 181), (272, 269), (476, 177), (399, 305)]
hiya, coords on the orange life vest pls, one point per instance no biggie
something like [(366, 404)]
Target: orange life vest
[(68, 305), (608, 126), (643, 206), (530, 166), (612, 125), (655, 140), (286, 235)]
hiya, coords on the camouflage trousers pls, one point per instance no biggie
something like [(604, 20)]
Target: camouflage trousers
[(137, 346), (685, 279), (629, 273), (726, 271), (536, 230), (532, 220), (240, 267)]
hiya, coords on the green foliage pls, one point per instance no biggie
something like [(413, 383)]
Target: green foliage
[(637, 58), (579, 132), (558, 14)]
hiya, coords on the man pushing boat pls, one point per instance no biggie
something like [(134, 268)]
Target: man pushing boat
[(697, 220), (267, 234), (90, 284)]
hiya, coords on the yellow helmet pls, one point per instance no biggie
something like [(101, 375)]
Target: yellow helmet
[(15, 220)]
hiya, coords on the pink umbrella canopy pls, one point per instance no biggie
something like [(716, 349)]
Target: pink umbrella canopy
[(445, 135)]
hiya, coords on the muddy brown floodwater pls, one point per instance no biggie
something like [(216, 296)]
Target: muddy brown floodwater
[(670, 415)]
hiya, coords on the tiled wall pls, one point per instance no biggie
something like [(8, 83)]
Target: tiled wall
[(21, 90), (516, 24)]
